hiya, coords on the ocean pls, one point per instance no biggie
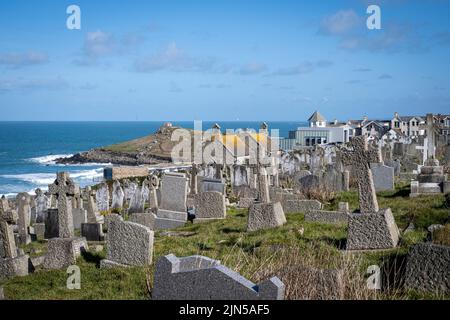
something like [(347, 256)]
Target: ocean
[(28, 149)]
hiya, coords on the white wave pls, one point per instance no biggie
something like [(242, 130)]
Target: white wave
[(50, 159), (34, 178), (42, 180)]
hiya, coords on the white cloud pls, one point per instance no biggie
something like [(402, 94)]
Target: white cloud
[(17, 60), (340, 23), (172, 58), (252, 68)]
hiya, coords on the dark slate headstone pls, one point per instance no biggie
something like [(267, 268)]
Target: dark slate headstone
[(51, 224)]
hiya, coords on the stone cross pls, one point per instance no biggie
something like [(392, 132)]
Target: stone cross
[(194, 178), (424, 150), (360, 155), (7, 218), (64, 189)]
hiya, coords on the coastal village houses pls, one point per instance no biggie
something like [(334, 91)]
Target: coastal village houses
[(398, 128)]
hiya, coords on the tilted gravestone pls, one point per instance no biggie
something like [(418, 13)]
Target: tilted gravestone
[(209, 206), (63, 252), (128, 244), (201, 278), (265, 216), (383, 177), (371, 228), (11, 263)]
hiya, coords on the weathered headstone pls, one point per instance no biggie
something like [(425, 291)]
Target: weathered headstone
[(383, 177), (172, 210), (93, 214), (209, 206), (263, 186), (137, 202), (298, 205), (427, 268), (41, 205), (11, 263), (24, 212), (128, 244), (265, 216), (117, 195), (102, 197), (201, 278), (63, 252)]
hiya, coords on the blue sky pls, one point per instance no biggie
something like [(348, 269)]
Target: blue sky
[(222, 60)]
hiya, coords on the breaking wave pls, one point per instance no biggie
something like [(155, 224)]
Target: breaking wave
[(50, 159), (42, 180)]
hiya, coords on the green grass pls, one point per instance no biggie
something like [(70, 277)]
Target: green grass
[(248, 253)]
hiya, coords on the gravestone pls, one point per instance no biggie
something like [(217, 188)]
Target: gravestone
[(129, 189), (360, 156), (153, 196), (93, 214), (193, 181), (63, 252), (209, 206), (298, 205), (371, 228), (137, 201), (144, 218), (92, 231), (41, 205), (263, 186), (172, 210), (11, 262), (265, 216), (117, 195), (51, 224), (427, 268), (201, 278), (79, 217), (145, 192), (24, 212), (128, 244), (64, 189), (208, 184), (102, 197), (383, 177)]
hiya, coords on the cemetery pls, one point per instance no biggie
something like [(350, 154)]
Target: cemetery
[(235, 231)]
